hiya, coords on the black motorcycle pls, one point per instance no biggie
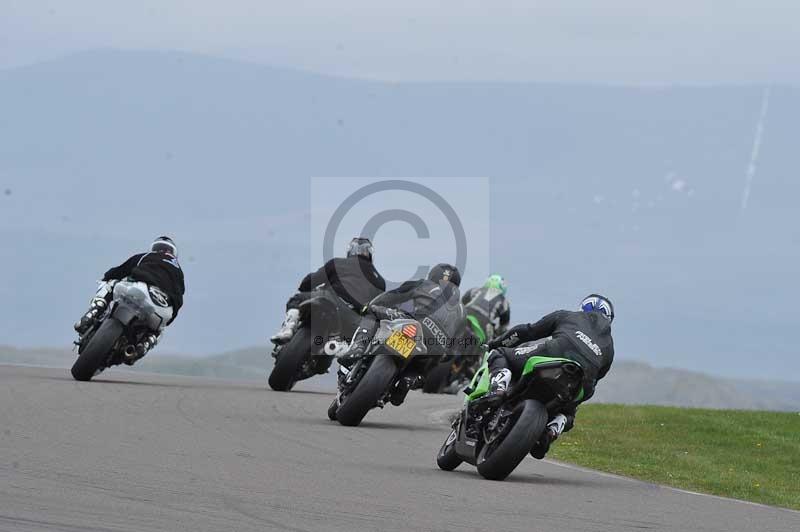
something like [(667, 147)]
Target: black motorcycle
[(394, 363), (320, 335), (136, 311), (451, 376)]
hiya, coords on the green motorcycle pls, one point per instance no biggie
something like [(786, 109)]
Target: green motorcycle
[(496, 437)]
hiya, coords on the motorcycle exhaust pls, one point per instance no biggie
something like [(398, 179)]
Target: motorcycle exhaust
[(334, 348), (130, 351)]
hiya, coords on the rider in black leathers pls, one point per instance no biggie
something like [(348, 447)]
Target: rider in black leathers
[(434, 302), (583, 336), (354, 279), (488, 313)]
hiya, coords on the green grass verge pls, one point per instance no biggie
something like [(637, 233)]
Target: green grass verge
[(753, 456)]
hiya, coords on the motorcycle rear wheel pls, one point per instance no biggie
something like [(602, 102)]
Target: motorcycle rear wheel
[(368, 391), (499, 457), (332, 409), (287, 366), (91, 359)]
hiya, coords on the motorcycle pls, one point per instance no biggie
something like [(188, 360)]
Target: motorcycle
[(496, 437), (453, 374), (137, 310), (393, 364), (316, 341)]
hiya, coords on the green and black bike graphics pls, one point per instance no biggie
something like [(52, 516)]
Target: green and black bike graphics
[(454, 374), (496, 437)]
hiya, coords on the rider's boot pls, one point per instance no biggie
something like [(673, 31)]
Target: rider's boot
[(551, 434), (358, 346), (288, 327), (500, 380), (97, 306), (96, 309), (403, 386)]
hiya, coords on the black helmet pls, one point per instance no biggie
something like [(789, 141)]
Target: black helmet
[(598, 303), (445, 272), (360, 247), (164, 244)]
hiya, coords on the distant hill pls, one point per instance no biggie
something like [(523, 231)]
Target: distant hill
[(628, 382), (628, 190), (246, 364), (639, 383)]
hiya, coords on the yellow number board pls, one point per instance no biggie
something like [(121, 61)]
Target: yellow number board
[(401, 343)]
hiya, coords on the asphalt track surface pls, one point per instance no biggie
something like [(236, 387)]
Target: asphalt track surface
[(136, 452)]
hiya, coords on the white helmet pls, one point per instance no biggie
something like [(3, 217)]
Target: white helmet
[(164, 244), (360, 247)]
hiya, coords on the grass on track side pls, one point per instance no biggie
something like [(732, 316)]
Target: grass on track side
[(753, 456)]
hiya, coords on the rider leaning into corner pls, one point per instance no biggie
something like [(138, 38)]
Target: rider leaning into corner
[(489, 304), (354, 279), (158, 267), (434, 302), (583, 336)]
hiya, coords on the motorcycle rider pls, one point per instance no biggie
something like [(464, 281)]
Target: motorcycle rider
[(489, 305), (433, 301), (583, 336), (354, 279), (487, 308), (158, 267)]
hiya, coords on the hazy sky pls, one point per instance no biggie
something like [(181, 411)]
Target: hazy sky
[(610, 41)]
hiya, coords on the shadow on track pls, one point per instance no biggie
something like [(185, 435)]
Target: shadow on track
[(323, 421), (221, 385), (209, 385), (520, 478), (303, 392), (400, 426)]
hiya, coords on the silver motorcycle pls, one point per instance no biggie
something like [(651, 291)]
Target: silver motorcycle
[(136, 311)]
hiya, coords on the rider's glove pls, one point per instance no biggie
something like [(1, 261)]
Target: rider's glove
[(492, 344), (509, 339), (104, 290)]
